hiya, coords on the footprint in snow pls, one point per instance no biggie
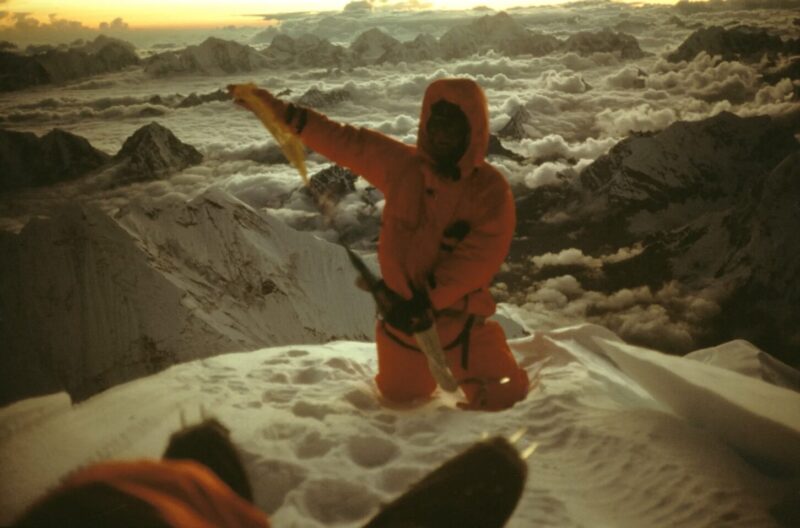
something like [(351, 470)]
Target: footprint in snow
[(371, 451), (336, 501), (273, 480), (313, 445)]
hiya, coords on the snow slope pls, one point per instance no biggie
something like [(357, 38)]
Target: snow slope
[(323, 450), (163, 283)]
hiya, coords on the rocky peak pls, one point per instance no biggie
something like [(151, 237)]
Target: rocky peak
[(316, 98), (152, 152), (499, 32), (712, 158), (606, 40), (372, 44), (332, 184), (26, 160), (496, 148), (214, 56), (423, 47), (195, 100), (516, 126), (745, 43), (306, 50)]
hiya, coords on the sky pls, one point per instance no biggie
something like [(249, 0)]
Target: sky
[(210, 13)]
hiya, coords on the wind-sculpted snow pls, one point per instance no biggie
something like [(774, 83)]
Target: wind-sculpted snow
[(175, 282), (323, 449), (759, 419)]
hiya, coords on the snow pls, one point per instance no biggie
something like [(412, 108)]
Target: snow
[(656, 440), (166, 281)]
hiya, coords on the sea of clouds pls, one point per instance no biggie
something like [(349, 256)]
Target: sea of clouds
[(581, 106)]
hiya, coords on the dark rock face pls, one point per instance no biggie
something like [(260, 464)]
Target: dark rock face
[(496, 148), (330, 185), (710, 202), (195, 100), (515, 128), (26, 160), (316, 98), (587, 42), (153, 152), (51, 65), (745, 43), (19, 71)]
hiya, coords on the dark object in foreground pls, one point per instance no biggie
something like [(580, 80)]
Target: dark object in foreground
[(209, 443), (479, 488)]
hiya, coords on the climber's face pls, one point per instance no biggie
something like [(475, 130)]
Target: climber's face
[(448, 133)]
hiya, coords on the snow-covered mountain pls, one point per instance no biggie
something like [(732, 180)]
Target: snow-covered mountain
[(213, 56), (372, 45), (499, 32), (162, 284), (151, 152), (26, 160), (306, 50), (423, 47), (519, 126)]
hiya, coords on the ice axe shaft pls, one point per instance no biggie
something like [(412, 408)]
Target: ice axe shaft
[(427, 339)]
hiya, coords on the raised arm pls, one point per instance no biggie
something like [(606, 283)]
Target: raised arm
[(366, 152)]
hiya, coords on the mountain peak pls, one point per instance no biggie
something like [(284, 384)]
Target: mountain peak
[(153, 151)]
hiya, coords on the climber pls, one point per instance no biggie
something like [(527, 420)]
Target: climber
[(446, 228)]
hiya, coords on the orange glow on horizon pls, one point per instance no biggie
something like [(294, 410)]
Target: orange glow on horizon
[(150, 14)]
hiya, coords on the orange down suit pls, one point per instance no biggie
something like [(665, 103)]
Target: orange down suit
[(420, 206), (179, 493)]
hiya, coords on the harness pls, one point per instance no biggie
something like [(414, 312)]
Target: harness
[(461, 340)]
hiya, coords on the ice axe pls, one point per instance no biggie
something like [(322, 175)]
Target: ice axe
[(424, 332)]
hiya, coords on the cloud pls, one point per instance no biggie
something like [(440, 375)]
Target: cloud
[(641, 118), (629, 77), (399, 126), (490, 67), (25, 29), (553, 146), (568, 82), (672, 318), (576, 62), (705, 77), (546, 174), (782, 92), (115, 25), (576, 257)]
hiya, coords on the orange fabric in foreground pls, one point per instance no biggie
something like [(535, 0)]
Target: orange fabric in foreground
[(185, 493)]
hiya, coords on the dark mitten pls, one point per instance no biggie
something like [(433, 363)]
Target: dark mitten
[(410, 315)]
